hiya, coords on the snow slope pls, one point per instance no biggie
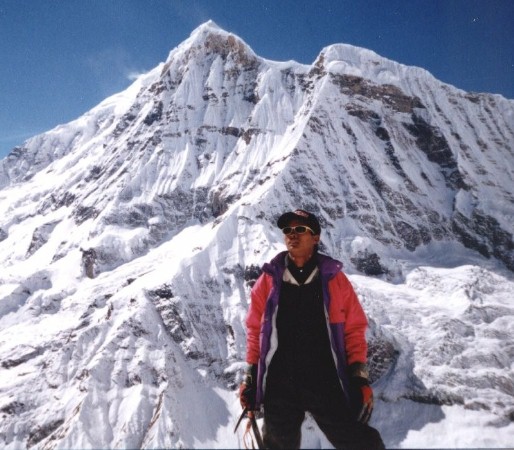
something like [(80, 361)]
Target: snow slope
[(130, 237)]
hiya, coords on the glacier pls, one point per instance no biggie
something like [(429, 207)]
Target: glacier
[(131, 236)]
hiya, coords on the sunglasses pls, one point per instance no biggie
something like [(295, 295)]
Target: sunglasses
[(300, 229)]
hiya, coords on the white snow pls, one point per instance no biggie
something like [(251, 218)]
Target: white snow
[(177, 212)]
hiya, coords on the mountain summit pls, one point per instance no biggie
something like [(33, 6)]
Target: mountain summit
[(130, 237)]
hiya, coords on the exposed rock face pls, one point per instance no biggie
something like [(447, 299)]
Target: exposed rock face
[(40, 237), (484, 234)]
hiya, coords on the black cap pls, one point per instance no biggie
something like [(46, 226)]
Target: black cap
[(302, 216)]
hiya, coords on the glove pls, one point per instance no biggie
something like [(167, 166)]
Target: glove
[(361, 394), (248, 388)]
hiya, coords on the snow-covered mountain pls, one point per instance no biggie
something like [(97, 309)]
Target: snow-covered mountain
[(130, 237)]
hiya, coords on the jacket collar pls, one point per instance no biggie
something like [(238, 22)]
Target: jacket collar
[(327, 266)]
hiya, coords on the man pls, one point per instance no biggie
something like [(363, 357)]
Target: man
[(306, 346)]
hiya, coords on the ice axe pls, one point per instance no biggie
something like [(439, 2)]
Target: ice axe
[(250, 425)]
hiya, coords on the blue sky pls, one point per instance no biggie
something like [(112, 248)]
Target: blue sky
[(59, 58)]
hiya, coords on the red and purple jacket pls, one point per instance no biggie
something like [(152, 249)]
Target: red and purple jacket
[(346, 321)]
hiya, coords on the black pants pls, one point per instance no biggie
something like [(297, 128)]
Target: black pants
[(284, 411)]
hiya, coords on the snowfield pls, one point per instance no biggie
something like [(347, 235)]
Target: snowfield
[(138, 358)]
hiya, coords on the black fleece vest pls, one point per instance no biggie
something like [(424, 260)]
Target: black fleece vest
[(304, 355)]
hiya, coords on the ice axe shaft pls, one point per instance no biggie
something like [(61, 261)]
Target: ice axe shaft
[(252, 424), (255, 429)]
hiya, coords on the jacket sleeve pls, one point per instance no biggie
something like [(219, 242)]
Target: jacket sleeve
[(259, 295), (345, 304)]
